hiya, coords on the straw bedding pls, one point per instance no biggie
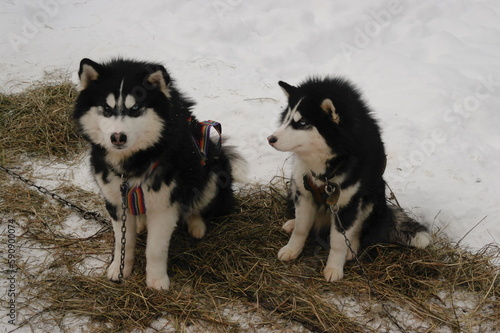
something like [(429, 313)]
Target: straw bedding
[(231, 281)]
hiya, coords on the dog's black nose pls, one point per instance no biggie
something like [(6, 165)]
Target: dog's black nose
[(118, 139), (272, 139)]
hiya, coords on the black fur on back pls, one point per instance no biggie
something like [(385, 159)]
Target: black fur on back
[(356, 141)]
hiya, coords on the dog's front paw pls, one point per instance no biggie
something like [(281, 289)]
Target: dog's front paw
[(158, 282), (114, 271), (289, 226), (288, 253), (333, 274)]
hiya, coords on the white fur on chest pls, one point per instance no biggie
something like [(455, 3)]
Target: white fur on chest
[(112, 190), (154, 199)]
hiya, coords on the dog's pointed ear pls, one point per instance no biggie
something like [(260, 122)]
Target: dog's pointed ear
[(329, 108), (287, 89), (89, 71), (161, 80)]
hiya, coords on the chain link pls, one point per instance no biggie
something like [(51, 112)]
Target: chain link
[(87, 215), (335, 210), (123, 240)]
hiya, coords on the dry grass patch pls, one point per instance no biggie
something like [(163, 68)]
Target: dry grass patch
[(38, 122), (231, 281), (236, 266)]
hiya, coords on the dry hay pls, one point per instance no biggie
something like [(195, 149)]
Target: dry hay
[(38, 122), (235, 268), (236, 263)]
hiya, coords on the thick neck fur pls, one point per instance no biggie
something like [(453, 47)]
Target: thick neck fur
[(115, 161), (313, 162), (320, 166), (129, 165)]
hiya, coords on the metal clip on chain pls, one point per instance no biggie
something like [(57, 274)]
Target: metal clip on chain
[(333, 192)]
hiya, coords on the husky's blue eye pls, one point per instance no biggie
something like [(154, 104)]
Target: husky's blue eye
[(301, 124), (108, 111), (135, 111)]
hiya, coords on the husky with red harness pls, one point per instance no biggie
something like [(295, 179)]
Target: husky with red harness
[(337, 184), (153, 158)]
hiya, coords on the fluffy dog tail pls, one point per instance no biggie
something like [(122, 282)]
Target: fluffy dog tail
[(407, 231), (238, 165)]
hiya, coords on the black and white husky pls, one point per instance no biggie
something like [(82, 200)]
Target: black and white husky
[(148, 150), (337, 174)]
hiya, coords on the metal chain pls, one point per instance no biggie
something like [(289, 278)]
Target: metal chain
[(123, 189), (335, 210), (392, 196), (87, 215)]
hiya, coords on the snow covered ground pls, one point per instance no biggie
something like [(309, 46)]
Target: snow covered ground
[(430, 71)]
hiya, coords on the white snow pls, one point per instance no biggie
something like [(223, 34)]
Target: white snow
[(429, 70)]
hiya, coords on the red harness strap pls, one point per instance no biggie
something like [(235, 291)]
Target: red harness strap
[(134, 196), (204, 141), (318, 193)]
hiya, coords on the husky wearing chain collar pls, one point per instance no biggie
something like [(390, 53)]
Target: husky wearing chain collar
[(337, 178), (151, 157)]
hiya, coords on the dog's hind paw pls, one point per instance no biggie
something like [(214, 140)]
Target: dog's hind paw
[(421, 240), (197, 227), (333, 274), (288, 253), (158, 283), (289, 226)]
